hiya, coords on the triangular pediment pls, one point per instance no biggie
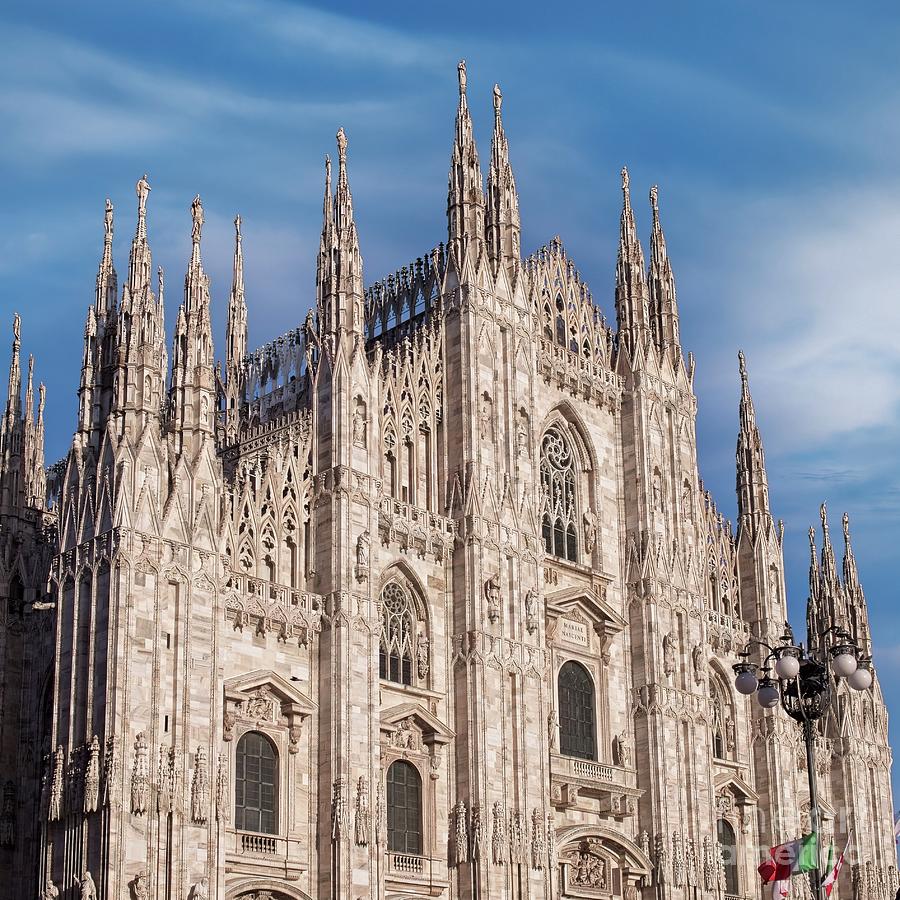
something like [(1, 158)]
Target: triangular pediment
[(743, 793), (588, 603), (243, 688), (433, 730)]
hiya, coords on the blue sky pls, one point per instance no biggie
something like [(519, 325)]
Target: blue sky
[(772, 130)]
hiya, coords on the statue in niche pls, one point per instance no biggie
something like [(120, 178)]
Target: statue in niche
[(487, 417), (553, 729), (88, 888), (522, 434), (140, 886), (492, 595), (589, 520), (200, 890), (359, 424), (362, 550), (657, 490), (697, 660), (50, 891), (669, 654)]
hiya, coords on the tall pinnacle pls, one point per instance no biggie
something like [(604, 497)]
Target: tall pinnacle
[(829, 565), (856, 599), (632, 306), (139, 262), (752, 480), (339, 269), (502, 215), (465, 196), (14, 386), (663, 303)]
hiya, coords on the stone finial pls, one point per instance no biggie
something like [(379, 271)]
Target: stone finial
[(237, 226), (461, 74), (498, 99), (342, 146), (626, 182), (845, 521), (742, 365), (654, 202), (160, 283), (17, 325), (823, 515)]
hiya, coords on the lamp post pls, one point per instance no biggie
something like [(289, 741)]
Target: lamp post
[(802, 681)]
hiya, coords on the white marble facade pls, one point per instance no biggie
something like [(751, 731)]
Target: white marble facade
[(424, 598)]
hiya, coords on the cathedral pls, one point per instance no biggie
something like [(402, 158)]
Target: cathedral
[(424, 598)]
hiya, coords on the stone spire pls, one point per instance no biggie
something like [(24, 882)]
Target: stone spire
[(632, 306), (107, 281), (193, 388), (14, 385), (856, 598), (502, 214), (235, 338), (465, 197), (140, 265), (339, 270), (752, 481), (663, 304), (829, 565)]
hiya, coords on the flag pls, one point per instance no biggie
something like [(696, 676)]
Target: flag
[(780, 889), (787, 860), (897, 828), (832, 871)]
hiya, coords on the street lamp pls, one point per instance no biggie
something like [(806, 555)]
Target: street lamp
[(801, 680)]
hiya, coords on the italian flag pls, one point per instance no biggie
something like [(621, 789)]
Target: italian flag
[(833, 869), (792, 858)]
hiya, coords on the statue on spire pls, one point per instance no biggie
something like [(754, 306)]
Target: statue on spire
[(108, 221), (461, 72), (237, 226), (498, 99), (197, 216), (742, 365), (626, 181), (342, 146), (654, 200), (17, 322), (142, 189)]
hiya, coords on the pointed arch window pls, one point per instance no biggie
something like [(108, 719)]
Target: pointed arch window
[(558, 512), (577, 730), (728, 846), (398, 629), (256, 784), (404, 808), (723, 739)]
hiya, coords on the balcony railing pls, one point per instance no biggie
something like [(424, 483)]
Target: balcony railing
[(588, 770), (259, 844), (406, 864), (592, 770)]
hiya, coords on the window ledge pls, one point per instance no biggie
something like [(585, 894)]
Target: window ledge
[(409, 690)]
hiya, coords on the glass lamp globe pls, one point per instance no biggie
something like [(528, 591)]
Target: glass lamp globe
[(787, 666), (746, 683), (860, 679), (844, 664), (768, 695)]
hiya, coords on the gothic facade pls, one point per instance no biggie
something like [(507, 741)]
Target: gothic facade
[(424, 598)]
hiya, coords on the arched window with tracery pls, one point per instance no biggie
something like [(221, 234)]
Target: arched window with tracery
[(256, 784), (577, 718), (728, 846), (404, 808), (398, 635), (558, 501)]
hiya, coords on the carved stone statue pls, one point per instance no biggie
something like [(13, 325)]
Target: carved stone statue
[(553, 729), (359, 425), (622, 751), (537, 839), (362, 550), (586, 869), (477, 832), (200, 890), (422, 645), (669, 654), (492, 595), (88, 888), (50, 891), (142, 189), (197, 217), (589, 522), (697, 661), (140, 886), (56, 785), (461, 71), (531, 607)]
